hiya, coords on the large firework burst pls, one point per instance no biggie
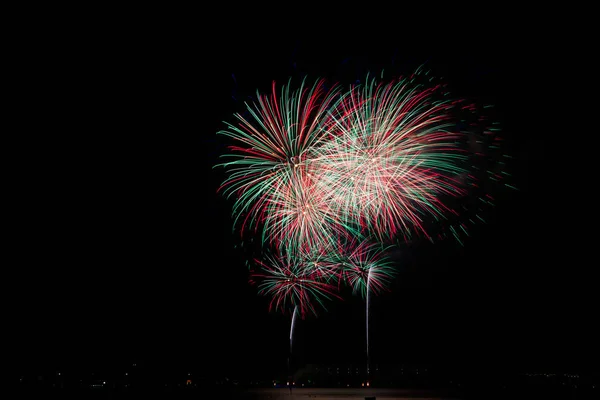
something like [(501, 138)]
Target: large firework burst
[(390, 155), (268, 173)]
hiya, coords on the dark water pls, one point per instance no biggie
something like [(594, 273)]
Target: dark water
[(254, 394), (481, 393)]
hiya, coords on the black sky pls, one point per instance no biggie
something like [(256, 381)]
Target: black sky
[(130, 251)]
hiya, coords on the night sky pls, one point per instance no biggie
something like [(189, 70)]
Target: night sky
[(131, 255)]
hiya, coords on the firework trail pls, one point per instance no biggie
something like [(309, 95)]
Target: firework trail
[(294, 317), (367, 306), (367, 270)]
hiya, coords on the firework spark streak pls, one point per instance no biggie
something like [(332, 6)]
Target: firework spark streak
[(367, 306), (294, 317)]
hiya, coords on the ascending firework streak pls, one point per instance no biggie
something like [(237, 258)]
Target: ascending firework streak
[(367, 321), (367, 271), (294, 316)]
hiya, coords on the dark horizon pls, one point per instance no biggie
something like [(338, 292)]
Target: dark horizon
[(136, 261)]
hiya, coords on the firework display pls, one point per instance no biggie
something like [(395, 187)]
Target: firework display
[(390, 155), (269, 174), (290, 282), (329, 178)]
